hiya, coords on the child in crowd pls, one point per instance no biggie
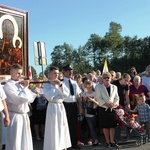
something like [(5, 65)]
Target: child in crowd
[(143, 110), (90, 103)]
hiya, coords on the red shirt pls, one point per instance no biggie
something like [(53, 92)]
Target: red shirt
[(133, 90)]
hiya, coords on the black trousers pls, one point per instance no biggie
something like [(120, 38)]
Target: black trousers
[(72, 113)]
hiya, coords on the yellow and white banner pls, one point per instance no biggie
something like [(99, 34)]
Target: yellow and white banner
[(105, 68)]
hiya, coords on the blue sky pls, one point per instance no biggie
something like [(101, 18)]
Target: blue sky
[(73, 21)]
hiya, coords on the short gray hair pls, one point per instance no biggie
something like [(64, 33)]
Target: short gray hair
[(137, 78)]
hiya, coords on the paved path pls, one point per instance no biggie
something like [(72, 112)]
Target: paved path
[(38, 145)]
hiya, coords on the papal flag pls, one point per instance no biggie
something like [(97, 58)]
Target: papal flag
[(105, 68)]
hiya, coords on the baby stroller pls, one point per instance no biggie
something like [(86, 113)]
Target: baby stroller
[(128, 129)]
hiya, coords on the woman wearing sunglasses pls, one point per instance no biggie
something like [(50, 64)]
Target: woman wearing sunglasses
[(108, 99)]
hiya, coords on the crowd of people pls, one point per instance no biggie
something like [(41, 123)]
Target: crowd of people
[(71, 109)]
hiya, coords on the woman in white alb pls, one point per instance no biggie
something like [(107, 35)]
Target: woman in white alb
[(57, 135)]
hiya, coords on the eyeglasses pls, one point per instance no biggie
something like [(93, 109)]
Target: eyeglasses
[(106, 77)]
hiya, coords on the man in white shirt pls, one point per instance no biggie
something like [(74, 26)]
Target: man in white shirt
[(18, 135), (146, 78), (70, 103), (146, 81)]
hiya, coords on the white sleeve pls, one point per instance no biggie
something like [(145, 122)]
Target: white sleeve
[(2, 97), (66, 91), (18, 97), (50, 92)]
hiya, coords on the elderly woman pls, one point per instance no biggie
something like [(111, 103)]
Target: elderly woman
[(107, 96), (136, 89)]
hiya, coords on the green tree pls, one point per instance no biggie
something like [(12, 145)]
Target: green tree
[(144, 54), (94, 50), (33, 71), (80, 63), (121, 52), (47, 70), (62, 55), (57, 56), (114, 40)]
